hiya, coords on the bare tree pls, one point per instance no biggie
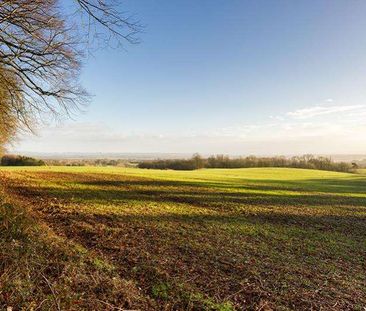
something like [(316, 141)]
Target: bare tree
[(10, 103), (41, 49), (101, 15)]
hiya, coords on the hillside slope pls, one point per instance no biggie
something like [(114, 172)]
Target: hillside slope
[(109, 238)]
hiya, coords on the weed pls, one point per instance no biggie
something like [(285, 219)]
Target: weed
[(160, 290)]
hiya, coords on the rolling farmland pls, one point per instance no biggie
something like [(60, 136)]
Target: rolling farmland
[(213, 239)]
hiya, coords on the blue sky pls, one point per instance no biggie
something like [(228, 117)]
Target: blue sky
[(237, 77)]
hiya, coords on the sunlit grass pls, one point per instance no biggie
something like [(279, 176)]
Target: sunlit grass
[(218, 238)]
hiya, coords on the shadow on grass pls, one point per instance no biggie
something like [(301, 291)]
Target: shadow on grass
[(351, 226), (223, 200), (233, 206), (203, 247), (340, 185)]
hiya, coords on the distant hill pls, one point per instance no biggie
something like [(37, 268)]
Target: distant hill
[(164, 156)]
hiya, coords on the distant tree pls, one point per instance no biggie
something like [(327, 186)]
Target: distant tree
[(198, 161), (41, 48)]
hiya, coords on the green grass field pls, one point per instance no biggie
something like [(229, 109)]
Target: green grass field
[(91, 238)]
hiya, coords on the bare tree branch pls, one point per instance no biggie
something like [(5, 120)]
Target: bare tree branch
[(41, 49)]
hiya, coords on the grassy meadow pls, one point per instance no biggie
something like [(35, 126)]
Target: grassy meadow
[(90, 238)]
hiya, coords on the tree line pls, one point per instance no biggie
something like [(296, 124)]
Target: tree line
[(18, 160), (222, 161), (196, 162), (90, 162)]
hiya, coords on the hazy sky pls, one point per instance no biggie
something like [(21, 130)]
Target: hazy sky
[(225, 76)]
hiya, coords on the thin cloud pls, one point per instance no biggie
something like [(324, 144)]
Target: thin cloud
[(309, 130), (321, 110)]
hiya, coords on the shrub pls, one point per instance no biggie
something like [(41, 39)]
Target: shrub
[(16, 160)]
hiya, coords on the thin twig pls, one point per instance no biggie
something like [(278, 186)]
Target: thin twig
[(115, 307), (53, 293)]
